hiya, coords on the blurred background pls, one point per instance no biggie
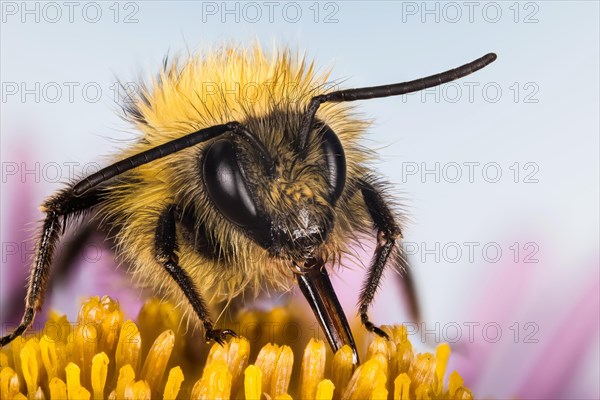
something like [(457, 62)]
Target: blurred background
[(498, 171)]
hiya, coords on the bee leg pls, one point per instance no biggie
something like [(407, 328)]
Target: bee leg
[(165, 247), (388, 231), (406, 279), (64, 204)]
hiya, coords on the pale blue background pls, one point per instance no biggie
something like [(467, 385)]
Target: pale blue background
[(375, 43)]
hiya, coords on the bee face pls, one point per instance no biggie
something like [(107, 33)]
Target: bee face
[(284, 200)]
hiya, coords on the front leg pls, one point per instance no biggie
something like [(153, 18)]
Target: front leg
[(58, 209), (387, 233), (165, 247)]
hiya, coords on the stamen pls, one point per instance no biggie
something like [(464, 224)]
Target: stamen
[(99, 373), (325, 389), (312, 370), (30, 365), (215, 382), (341, 369), (49, 357), (9, 383), (252, 383), (129, 347), (422, 372), (366, 378), (402, 387), (74, 389), (157, 359), (139, 390), (126, 377), (442, 354), (58, 389), (280, 379), (173, 384)]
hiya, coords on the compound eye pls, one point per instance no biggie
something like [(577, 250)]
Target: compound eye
[(336, 162), (226, 185)]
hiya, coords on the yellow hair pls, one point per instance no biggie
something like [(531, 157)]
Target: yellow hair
[(223, 85), (203, 90)]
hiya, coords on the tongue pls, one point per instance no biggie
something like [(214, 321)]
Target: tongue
[(316, 287)]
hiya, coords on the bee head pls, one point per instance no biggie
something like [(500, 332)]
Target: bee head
[(281, 195)]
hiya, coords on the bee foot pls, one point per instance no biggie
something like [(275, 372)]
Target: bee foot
[(219, 335), (376, 330)]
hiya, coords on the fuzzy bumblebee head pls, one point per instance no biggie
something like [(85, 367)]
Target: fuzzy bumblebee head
[(263, 182), (283, 195)]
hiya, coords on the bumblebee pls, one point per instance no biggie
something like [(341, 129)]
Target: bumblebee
[(248, 176)]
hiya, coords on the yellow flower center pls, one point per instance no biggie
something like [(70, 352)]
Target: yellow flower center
[(104, 356)]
